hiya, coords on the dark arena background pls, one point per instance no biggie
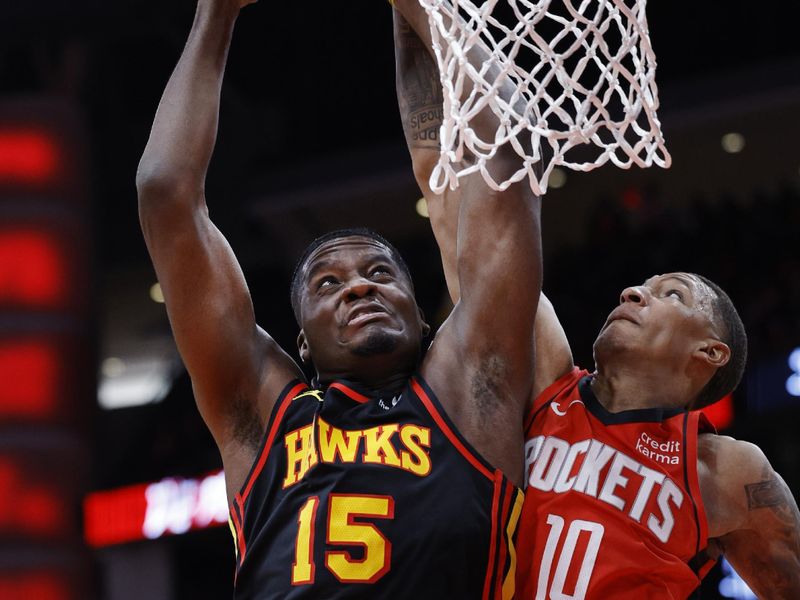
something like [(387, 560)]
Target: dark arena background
[(109, 481)]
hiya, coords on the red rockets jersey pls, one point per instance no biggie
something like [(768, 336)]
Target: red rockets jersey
[(367, 495), (612, 501)]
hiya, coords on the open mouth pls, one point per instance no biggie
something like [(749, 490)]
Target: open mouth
[(366, 314)]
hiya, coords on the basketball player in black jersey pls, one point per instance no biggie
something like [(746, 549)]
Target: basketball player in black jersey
[(343, 491), (660, 348)]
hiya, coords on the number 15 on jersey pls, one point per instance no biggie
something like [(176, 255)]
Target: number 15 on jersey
[(342, 526)]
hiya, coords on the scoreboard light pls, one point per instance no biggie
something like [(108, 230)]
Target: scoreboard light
[(33, 268), (30, 372), (172, 506), (30, 508), (28, 155), (43, 381), (44, 348), (38, 585)]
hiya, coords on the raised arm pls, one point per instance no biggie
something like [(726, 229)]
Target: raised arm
[(419, 94), (479, 365), (753, 517), (237, 370)]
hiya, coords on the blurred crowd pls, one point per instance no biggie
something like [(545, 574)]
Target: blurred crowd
[(750, 247)]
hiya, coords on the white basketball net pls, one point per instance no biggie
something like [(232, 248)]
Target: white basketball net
[(583, 75)]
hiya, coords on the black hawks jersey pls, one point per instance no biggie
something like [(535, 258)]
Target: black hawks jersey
[(357, 495)]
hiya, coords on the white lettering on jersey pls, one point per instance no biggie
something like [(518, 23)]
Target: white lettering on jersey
[(669, 492), (596, 469), (667, 452), (548, 464), (564, 482), (615, 479), (597, 457)]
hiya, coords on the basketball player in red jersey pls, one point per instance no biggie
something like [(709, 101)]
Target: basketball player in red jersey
[(629, 494), (388, 481)]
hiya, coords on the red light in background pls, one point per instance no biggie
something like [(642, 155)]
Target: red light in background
[(33, 269), (114, 517), (27, 156), (29, 371), (171, 506), (29, 508), (43, 289), (720, 413), (37, 585), (632, 199)]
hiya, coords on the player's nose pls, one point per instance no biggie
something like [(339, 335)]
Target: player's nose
[(358, 287), (636, 294)]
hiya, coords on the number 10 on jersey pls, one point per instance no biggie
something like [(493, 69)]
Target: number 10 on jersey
[(567, 560), (341, 528)]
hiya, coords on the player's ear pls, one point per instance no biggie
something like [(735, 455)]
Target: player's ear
[(302, 347), (714, 352), (426, 329)]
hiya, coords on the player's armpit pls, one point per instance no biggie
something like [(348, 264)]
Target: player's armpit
[(765, 548), (480, 364)]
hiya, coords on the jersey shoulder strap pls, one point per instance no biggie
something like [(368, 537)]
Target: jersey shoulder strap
[(551, 392)]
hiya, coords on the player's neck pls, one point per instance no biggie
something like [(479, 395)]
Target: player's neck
[(626, 389), (372, 381)]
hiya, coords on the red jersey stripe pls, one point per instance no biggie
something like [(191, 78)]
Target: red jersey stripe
[(449, 432), (694, 480), (237, 525), (490, 570), (262, 459), (501, 559), (352, 394)]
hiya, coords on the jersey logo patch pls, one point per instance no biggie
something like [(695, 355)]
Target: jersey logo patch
[(385, 406), (561, 413), (315, 393)]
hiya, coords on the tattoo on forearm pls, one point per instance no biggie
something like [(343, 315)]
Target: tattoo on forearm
[(419, 90), (774, 494), (764, 494), (766, 552)]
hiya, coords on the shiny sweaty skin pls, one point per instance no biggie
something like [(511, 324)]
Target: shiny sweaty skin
[(659, 347), (358, 313), (238, 370), (363, 325)]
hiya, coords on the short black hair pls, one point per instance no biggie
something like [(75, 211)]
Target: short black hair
[(733, 334), (297, 274)]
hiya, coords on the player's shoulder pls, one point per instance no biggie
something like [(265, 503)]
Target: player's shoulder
[(730, 457), (729, 470)]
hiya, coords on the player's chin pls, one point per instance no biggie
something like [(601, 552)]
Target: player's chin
[(375, 341), (610, 341)]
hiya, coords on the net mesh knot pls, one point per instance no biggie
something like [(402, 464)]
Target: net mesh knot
[(577, 79)]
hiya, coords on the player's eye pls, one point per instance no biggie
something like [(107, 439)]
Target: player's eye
[(675, 294), (327, 282), (380, 271)]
